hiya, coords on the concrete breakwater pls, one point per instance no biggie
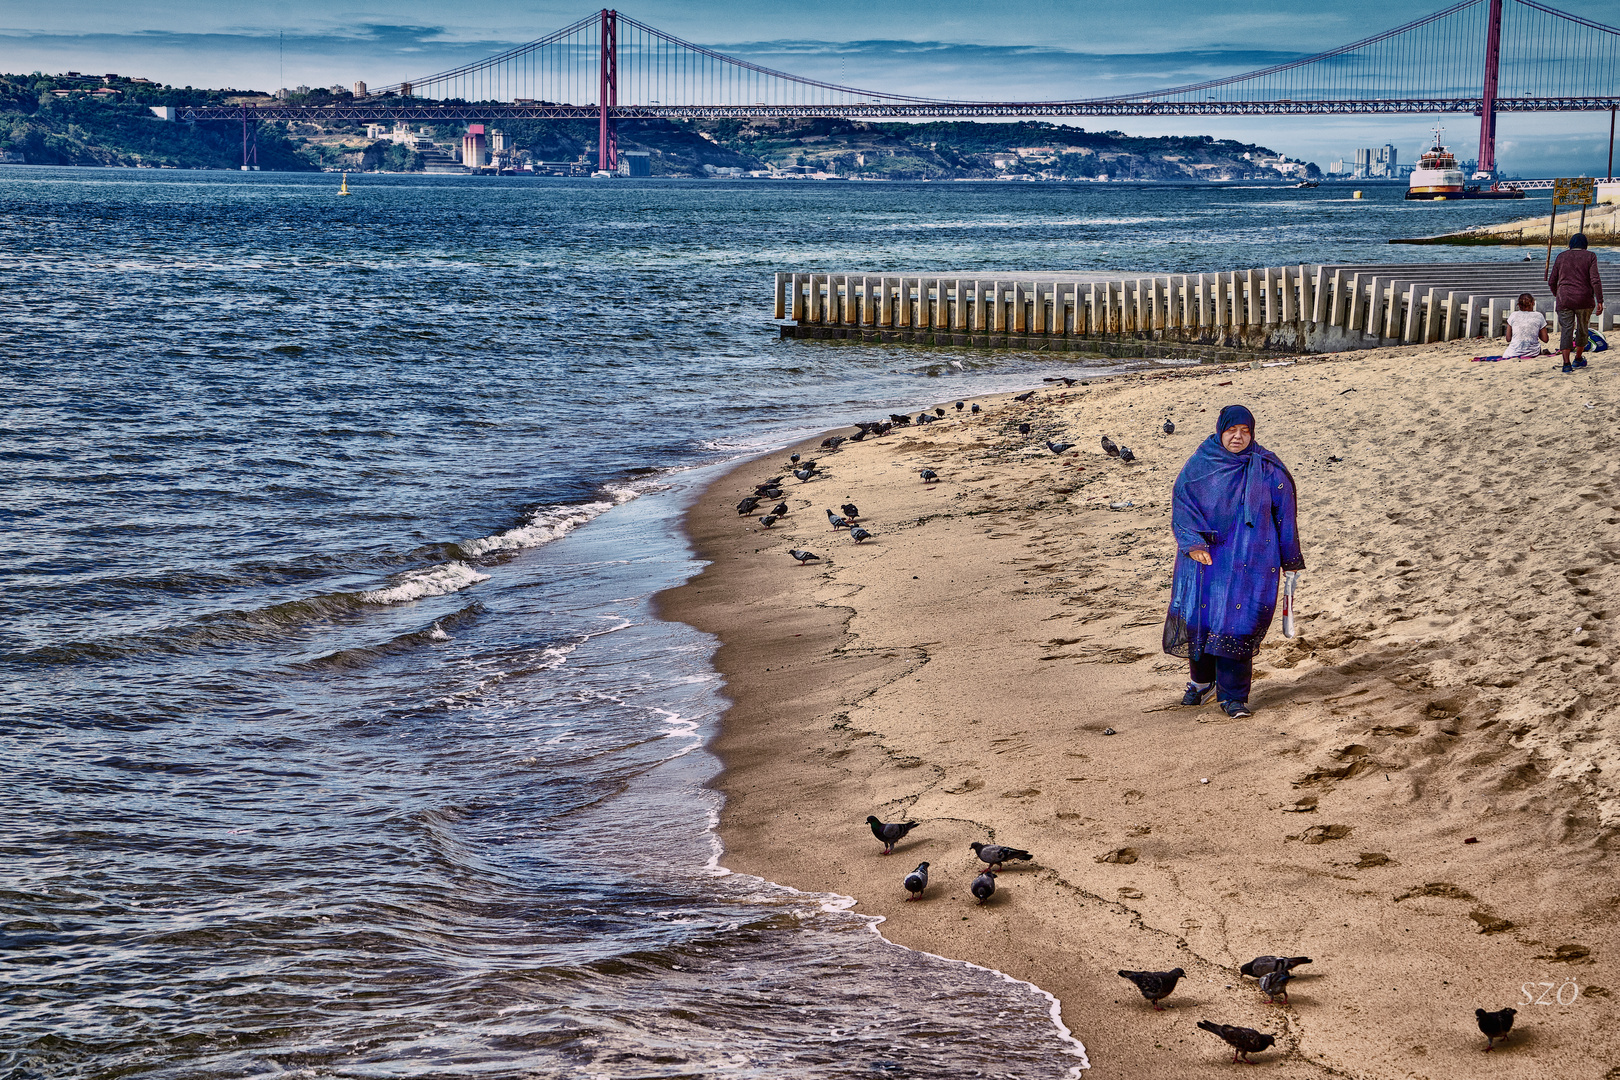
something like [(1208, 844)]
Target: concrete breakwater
[(1303, 308)]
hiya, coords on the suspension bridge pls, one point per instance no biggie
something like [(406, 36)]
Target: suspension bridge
[(1476, 57)]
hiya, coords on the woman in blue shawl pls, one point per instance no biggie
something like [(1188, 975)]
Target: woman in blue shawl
[(1233, 516)]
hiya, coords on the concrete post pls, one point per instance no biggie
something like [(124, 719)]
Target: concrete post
[(1319, 298), (1019, 315), (885, 309), (979, 308), (1037, 309), (1412, 326), (1256, 282), (1452, 312), (959, 307), (998, 314), (1353, 319), (1092, 300), (777, 301), (1431, 317), (1337, 305), (1495, 316), (1290, 279), (1391, 324)]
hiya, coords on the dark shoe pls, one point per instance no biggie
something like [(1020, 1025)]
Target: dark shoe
[(1237, 710), (1568, 369), (1198, 695), (1580, 363)]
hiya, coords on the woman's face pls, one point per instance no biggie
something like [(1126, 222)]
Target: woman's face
[(1237, 438)]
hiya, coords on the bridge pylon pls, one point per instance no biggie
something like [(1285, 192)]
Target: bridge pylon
[(607, 138), (1486, 162)]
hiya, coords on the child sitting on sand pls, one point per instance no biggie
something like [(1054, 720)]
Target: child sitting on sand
[(1525, 329)]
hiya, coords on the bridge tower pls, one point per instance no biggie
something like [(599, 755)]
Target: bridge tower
[(1487, 105), (607, 139)]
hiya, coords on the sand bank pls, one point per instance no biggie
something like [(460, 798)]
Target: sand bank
[(1425, 801)]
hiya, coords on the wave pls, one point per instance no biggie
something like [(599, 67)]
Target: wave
[(437, 580), (548, 523)]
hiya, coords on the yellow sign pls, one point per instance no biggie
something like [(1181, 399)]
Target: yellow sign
[(1580, 191)]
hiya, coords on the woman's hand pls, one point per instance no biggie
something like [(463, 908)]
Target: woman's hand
[(1200, 554)]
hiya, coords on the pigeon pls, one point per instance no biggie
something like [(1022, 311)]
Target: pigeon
[(960, 404), (1058, 447), (768, 520), (1068, 381), (834, 442), (1495, 1025), (898, 419), (803, 556), (835, 521), (804, 475), (975, 406), (1023, 429), (810, 465), (851, 511), (1155, 985), (939, 412), (1243, 1041), (1109, 448), (1169, 427), (858, 534), (859, 435), (1273, 983), (770, 493), (1125, 455), (780, 509), (1264, 965), (984, 886), (746, 507), (1025, 396), (793, 458), (917, 881), (995, 854), (891, 833), (928, 476), (763, 484), (924, 418)]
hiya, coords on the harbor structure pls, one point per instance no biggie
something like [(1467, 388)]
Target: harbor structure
[(474, 148), (1297, 309)]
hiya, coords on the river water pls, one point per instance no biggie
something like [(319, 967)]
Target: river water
[(339, 737)]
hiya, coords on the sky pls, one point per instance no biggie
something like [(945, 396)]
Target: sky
[(1037, 49)]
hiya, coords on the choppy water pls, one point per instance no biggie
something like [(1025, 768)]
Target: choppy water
[(339, 739)]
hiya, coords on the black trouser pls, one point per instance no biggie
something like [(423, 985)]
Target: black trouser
[(1231, 677)]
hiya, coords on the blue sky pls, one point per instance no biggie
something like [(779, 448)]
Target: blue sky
[(1037, 49)]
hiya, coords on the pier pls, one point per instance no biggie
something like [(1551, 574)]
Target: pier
[(1294, 309)]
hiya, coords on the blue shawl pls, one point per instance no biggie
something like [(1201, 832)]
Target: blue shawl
[(1241, 508)]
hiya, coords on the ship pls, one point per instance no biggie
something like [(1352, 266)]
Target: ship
[(1438, 177)]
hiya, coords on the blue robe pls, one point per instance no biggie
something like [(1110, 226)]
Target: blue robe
[(1242, 508)]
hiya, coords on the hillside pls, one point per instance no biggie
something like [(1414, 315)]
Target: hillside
[(107, 120)]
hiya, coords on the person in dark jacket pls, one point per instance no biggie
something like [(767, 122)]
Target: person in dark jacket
[(1578, 291), (1233, 515)]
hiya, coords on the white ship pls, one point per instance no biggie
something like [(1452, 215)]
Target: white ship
[(1436, 175)]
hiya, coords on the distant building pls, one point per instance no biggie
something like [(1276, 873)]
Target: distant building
[(164, 112), (497, 141), (635, 163), (374, 132), (300, 89), (359, 89), (474, 150), (1377, 164), (283, 94)]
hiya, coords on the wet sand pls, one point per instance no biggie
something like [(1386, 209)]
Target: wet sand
[(1424, 802)]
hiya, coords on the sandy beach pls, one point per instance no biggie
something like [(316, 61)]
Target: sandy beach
[(1424, 802)]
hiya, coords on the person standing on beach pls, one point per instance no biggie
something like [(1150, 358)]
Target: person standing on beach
[(1526, 330), (1233, 515), (1578, 291)]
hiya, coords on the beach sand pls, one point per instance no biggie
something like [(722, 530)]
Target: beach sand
[(1424, 802)]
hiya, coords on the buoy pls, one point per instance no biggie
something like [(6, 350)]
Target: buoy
[(1357, 195), (344, 190)]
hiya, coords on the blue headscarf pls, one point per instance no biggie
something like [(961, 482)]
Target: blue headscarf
[(1233, 415)]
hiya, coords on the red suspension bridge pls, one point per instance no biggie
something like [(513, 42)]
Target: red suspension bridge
[(1478, 57)]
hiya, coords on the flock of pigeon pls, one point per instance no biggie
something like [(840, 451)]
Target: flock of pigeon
[(1273, 973)]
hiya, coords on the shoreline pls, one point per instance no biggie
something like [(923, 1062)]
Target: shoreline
[(920, 675)]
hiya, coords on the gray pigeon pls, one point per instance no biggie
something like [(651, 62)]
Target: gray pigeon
[(1243, 1041), (851, 511), (768, 520), (1059, 447), (890, 832), (959, 405), (917, 881), (779, 510), (1169, 427), (1495, 1025), (1273, 983), (975, 406), (804, 475), (984, 886), (995, 854), (1025, 396), (1125, 454), (1155, 985), (835, 521), (793, 458), (858, 534), (772, 492), (803, 556), (1109, 448), (746, 507), (1264, 965), (928, 476)]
